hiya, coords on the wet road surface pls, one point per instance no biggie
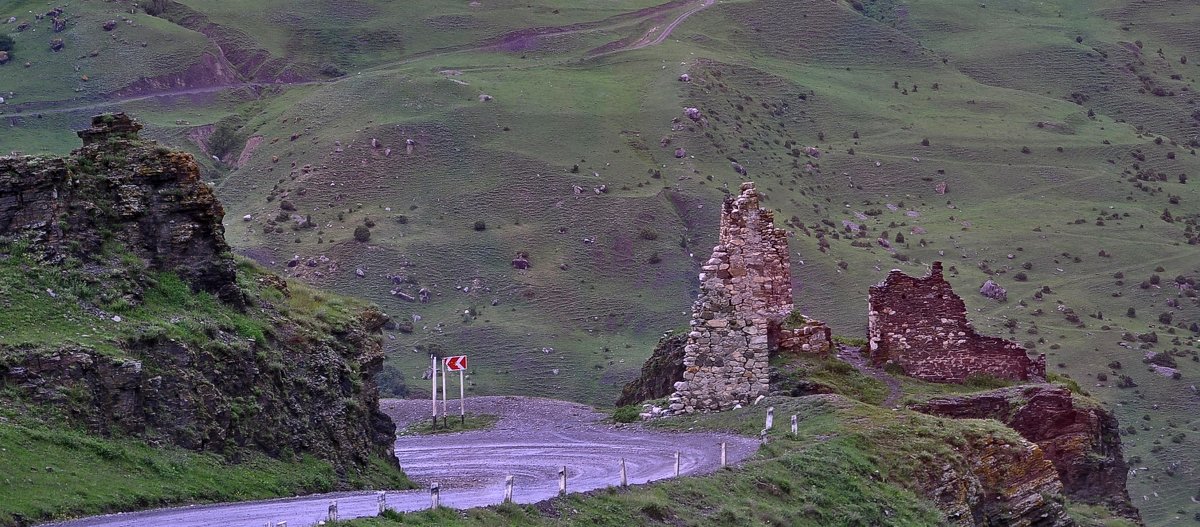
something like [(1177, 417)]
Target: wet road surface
[(532, 440)]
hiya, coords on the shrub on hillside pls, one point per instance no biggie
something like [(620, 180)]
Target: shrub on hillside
[(480, 226), (362, 234), (626, 414), (6, 43)]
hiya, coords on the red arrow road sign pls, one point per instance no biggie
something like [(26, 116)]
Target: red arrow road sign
[(456, 363)]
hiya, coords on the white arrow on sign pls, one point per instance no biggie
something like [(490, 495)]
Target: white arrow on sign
[(456, 363)]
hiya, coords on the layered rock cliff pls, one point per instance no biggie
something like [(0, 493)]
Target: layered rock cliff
[(128, 316), (1079, 437)]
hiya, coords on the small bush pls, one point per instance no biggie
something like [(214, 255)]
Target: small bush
[(362, 234), (330, 69), (647, 234), (6, 43), (480, 226), (626, 414)]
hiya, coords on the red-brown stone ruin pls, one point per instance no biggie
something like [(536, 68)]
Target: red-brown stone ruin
[(920, 325)]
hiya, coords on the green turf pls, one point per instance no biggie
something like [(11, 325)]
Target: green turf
[(54, 473), (809, 73)]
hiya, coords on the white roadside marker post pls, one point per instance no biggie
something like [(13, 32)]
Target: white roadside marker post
[(562, 480), (770, 418), (382, 502), (508, 488), (435, 495), (722, 455), (762, 436), (433, 368), (624, 476), (794, 427), (333, 514), (676, 463)]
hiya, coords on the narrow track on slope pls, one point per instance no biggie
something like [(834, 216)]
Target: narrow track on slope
[(853, 356), (35, 109)]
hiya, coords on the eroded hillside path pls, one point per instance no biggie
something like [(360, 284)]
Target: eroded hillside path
[(531, 441), (853, 356), (34, 109)]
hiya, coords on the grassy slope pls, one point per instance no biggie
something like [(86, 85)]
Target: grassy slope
[(51, 470), (1007, 67), (55, 473)]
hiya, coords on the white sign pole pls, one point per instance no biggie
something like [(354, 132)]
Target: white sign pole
[(433, 391), (444, 376)]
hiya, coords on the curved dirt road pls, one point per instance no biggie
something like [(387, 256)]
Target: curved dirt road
[(532, 440), (666, 32)]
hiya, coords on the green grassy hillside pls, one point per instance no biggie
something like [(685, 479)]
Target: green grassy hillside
[(1059, 128)]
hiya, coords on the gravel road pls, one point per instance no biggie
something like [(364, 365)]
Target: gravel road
[(531, 441)]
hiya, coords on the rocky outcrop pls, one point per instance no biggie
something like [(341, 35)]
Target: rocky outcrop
[(994, 481), (921, 325), (745, 295), (1081, 439), (301, 394), (117, 189), (115, 221), (659, 374)]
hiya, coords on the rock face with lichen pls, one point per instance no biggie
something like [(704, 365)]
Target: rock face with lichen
[(659, 374), (1080, 438), (737, 320), (117, 189), (920, 325), (997, 482), (116, 222)]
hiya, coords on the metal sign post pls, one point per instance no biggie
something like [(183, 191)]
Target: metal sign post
[(433, 368), (457, 363), (445, 421)]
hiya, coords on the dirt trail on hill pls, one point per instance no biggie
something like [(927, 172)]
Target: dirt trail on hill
[(853, 356), (666, 32), (531, 441), (34, 109)]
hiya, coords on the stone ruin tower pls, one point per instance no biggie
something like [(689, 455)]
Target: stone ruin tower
[(745, 294)]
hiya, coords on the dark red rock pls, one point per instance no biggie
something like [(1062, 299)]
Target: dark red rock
[(921, 325), (1078, 436)]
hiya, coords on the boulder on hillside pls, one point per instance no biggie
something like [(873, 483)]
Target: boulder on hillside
[(110, 25), (56, 44), (3, 57), (993, 291), (521, 262)]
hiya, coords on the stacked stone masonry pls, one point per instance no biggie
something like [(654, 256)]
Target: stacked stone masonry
[(745, 295), (921, 325)]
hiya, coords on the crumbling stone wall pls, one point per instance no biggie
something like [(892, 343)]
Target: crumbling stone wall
[(920, 325), (745, 294)]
